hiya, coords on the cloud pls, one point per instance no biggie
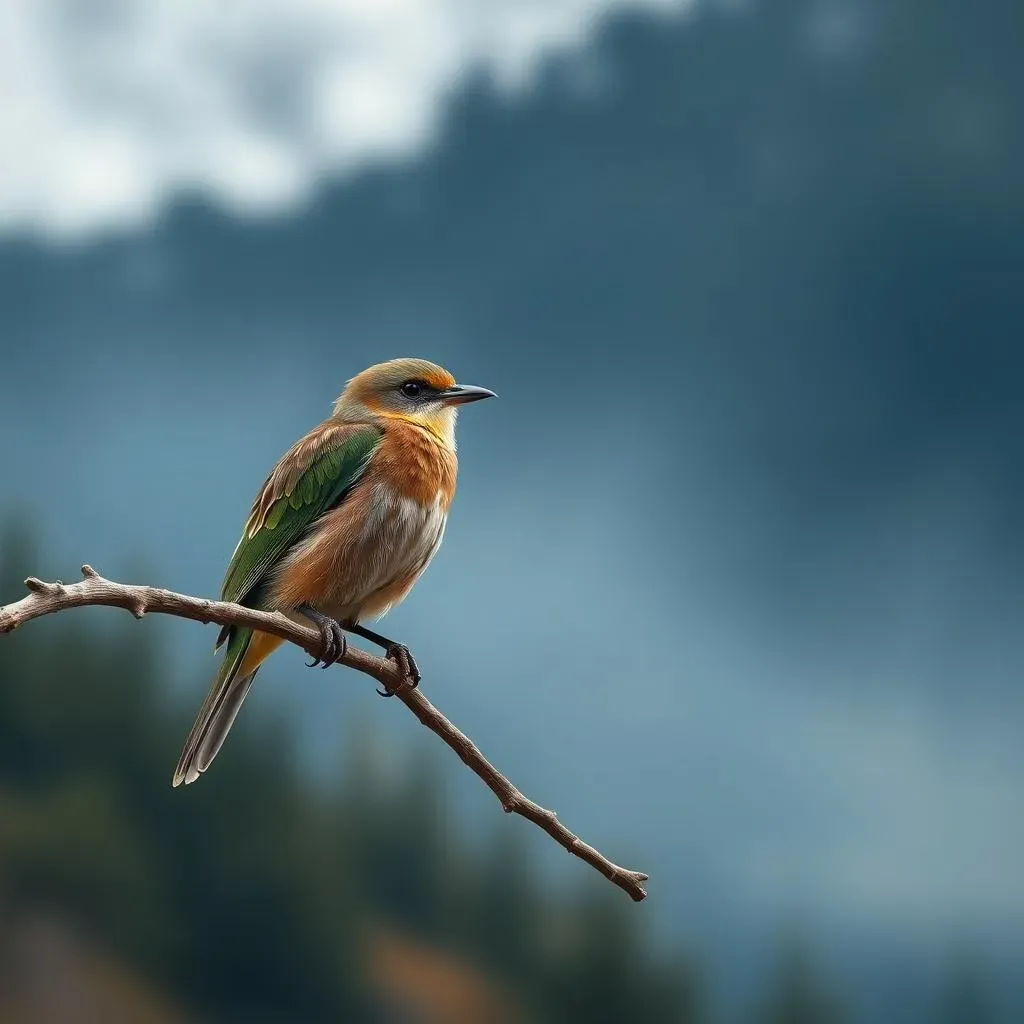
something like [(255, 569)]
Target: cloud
[(108, 108)]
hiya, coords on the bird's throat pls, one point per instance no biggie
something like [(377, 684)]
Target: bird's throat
[(440, 425)]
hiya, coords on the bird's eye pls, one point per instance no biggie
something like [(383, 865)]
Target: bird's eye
[(412, 389)]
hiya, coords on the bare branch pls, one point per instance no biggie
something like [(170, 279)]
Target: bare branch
[(46, 598)]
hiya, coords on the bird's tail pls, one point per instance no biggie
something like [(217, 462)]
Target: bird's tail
[(245, 652)]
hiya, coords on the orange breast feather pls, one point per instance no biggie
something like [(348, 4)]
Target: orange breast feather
[(412, 461), (340, 568)]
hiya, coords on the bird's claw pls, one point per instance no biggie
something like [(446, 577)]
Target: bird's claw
[(402, 657), (333, 642)]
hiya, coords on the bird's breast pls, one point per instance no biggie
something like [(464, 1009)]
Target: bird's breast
[(399, 538), (363, 556), (415, 465), (401, 528)]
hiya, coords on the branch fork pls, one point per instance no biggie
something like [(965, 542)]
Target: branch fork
[(46, 598)]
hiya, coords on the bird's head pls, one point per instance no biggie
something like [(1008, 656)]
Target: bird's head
[(408, 389)]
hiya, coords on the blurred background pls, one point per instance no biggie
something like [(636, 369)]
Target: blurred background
[(733, 580)]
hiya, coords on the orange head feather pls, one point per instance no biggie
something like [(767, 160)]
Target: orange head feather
[(413, 390)]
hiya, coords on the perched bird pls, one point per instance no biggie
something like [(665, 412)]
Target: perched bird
[(341, 529)]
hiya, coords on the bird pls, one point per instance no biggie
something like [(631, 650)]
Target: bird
[(341, 529)]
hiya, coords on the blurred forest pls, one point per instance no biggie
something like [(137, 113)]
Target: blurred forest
[(255, 896), (261, 896)]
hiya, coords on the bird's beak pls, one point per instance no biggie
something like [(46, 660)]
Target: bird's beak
[(461, 394)]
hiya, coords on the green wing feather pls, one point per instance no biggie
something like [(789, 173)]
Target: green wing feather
[(321, 486)]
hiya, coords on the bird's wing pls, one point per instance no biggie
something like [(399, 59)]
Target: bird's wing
[(312, 477)]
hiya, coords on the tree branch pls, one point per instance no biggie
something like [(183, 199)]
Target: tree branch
[(46, 598)]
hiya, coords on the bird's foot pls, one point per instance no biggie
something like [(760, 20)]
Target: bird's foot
[(402, 657), (334, 644), (398, 653)]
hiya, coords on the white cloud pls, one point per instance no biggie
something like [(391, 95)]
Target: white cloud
[(109, 107)]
